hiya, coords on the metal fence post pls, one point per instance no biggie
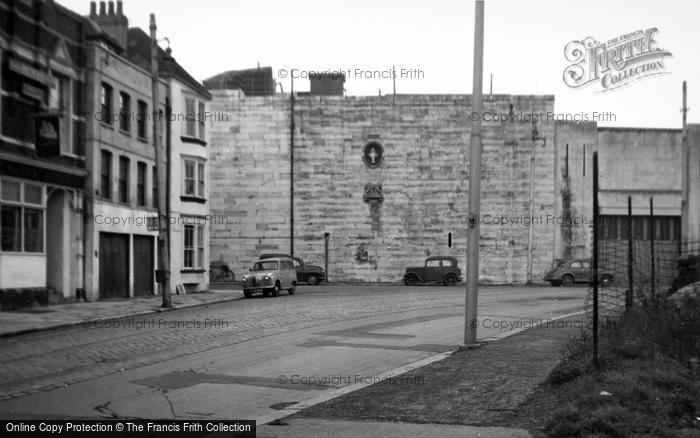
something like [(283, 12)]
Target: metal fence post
[(652, 231), (596, 230), (630, 257)]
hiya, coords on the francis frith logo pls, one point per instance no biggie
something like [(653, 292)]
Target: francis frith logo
[(616, 62)]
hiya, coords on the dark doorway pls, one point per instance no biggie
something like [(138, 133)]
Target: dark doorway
[(114, 265), (143, 266)]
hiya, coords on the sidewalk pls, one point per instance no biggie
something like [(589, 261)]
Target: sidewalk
[(33, 319), (472, 393)]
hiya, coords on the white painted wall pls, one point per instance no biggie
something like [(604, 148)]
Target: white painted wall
[(22, 270)]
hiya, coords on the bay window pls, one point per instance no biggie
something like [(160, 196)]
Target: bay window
[(193, 255), (194, 178)]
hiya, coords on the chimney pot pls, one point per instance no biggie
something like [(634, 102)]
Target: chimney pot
[(103, 8), (120, 7), (111, 8), (93, 9)]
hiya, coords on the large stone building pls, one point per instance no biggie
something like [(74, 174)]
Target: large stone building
[(384, 181)]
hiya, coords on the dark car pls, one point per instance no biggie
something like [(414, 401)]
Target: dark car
[(573, 271), (437, 269), (306, 273)]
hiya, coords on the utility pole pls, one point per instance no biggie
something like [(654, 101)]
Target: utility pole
[(470, 310), (685, 191), (292, 127), (163, 272)]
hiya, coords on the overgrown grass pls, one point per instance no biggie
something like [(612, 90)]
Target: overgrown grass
[(648, 383)]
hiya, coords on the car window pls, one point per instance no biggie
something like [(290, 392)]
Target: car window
[(576, 265), (447, 263), (432, 263), (265, 266), (586, 265), (296, 263)]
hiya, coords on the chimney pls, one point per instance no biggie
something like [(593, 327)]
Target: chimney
[(113, 23), (327, 83), (93, 10)]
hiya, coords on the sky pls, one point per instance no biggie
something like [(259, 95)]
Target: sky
[(433, 41)]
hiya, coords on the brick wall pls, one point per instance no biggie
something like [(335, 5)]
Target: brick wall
[(424, 180)]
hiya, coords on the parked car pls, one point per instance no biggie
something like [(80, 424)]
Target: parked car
[(573, 271), (437, 269), (306, 273), (270, 276)]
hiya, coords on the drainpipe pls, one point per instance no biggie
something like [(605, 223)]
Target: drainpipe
[(530, 233), (163, 272), (685, 191)]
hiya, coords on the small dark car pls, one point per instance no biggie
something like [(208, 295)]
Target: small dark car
[(437, 269), (573, 271), (306, 273)]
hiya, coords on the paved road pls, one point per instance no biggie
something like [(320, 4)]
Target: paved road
[(248, 358)]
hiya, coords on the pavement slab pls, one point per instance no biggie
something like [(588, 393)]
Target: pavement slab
[(315, 428)]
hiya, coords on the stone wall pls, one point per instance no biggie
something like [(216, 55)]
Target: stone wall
[(424, 181)]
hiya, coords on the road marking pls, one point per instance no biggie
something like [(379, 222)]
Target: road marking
[(293, 409)]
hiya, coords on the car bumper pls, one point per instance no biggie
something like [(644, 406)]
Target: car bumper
[(252, 284)]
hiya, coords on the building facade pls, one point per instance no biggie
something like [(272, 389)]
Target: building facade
[(42, 149), (121, 192), (78, 176), (383, 181), (186, 135)]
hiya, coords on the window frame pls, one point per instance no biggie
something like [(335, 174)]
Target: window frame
[(190, 117), (106, 180), (197, 181), (106, 103), (201, 120), (141, 183), (123, 189), (193, 247), (142, 120), (22, 208), (124, 111)]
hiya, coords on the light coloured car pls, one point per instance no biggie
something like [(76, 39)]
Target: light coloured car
[(270, 276)]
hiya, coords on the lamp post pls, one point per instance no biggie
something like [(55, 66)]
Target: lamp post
[(475, 146)]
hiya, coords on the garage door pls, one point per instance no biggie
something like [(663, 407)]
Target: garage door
[(114, 265)]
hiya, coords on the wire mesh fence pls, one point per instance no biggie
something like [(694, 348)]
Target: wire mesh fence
[(661, 271)]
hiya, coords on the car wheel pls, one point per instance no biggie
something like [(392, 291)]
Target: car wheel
[(410, 280), (606, 280), (292, 289), (276, 290), (312, 280), (247, 293), (567, 280), (555, 283), (450, 280), (229, 276)]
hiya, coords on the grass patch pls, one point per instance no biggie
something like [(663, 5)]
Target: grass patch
[(647, 384)]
